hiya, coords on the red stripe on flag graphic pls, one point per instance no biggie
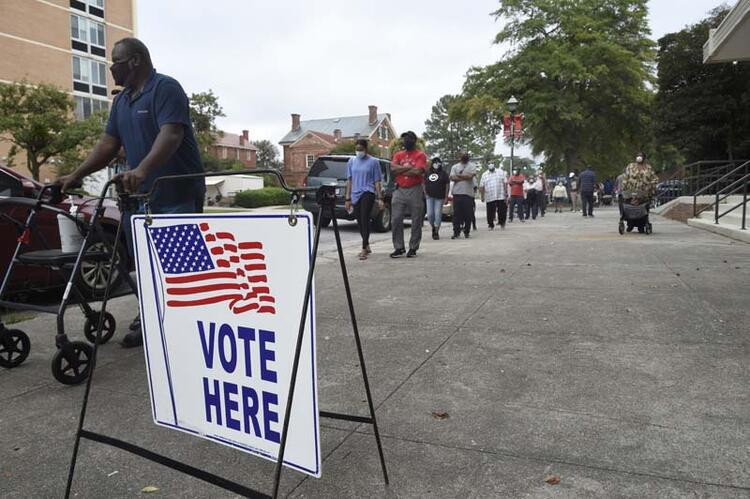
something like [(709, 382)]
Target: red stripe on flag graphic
[(215, 271)]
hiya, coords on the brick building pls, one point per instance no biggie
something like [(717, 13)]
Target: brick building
[(66, 43), (236, 148), (307, 140)]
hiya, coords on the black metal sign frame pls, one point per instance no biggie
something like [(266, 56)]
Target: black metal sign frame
[(326, 199)]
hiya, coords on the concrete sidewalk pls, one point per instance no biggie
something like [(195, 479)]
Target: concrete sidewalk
[(556, 347)]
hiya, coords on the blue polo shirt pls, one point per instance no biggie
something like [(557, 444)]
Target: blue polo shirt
[(136, 120)]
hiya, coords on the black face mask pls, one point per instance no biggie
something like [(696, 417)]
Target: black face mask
[(437, 166), (410, 144), (120, 72)]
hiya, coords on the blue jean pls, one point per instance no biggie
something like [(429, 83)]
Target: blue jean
[(516, 203), (434, 211)]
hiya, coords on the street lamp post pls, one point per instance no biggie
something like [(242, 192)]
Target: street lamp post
[(512, 106)]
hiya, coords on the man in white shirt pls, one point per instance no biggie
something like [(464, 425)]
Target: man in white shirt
[(533, 197), (493, 191)]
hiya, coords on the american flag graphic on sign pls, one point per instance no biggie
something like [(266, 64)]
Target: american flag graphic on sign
[(202, 267)]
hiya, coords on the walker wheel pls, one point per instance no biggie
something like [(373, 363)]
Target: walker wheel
[(92, 324), (621, 228), (14, 347), (72, 362)]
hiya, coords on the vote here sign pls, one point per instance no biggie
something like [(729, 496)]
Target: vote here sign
[(220, 301)]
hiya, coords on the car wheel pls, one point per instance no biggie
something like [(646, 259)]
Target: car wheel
[(382, 221), (93, 275)]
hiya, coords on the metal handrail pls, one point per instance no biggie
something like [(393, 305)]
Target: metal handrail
[(700, 179), (743, 182), (697, 212), (693, 175)]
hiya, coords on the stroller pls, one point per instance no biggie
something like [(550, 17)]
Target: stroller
[(71, 364), (634, 215)]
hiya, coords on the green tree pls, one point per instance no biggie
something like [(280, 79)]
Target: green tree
[(39, 120), (204, 109), (701, 111), (268, 154), (580, 70), (454, 127), (69, 160)]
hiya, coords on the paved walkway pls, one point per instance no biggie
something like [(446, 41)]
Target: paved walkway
[(556, 347)]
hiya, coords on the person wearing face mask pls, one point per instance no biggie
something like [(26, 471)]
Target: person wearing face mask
[(409, 166), (462, 175), (494, 194), (363, 190), (516, 183), (436, 187), (150, 118), (639, 180)]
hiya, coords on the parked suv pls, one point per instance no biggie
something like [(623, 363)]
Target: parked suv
[(332, 169)]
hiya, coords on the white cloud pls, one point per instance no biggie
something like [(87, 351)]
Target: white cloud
[(319, 58)]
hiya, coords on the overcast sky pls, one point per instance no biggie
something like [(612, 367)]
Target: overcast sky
[(327, 58)]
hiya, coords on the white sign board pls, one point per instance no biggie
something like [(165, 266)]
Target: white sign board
[(221, 298)]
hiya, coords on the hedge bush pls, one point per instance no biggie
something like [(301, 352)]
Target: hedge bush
[(267, 196)]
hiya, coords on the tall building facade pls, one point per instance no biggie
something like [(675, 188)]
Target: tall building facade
[(66, 43)]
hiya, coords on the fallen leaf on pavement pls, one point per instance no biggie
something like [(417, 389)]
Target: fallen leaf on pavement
[(552, 479), (440, 415), (149, 489)]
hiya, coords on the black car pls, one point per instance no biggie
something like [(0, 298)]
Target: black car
[(668, 190), (332, 169)]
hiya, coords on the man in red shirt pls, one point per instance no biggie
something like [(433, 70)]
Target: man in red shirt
[(516, 194), (409, 166)]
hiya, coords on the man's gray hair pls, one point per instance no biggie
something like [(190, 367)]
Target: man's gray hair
[(135, 47)]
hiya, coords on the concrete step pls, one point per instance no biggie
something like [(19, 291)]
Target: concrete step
[(731, 230), (733, 218)]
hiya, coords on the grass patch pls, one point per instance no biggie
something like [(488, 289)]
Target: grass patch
[(15, 316)]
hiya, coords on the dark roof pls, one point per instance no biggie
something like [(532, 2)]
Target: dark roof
[(350, 126)]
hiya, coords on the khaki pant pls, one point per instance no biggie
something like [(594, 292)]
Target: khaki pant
[(410, 198), (575, 201)]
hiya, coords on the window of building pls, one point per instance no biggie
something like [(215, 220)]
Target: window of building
[(81, 73), (310, 160), (88, 71), (223, 153), (93, 7), (98, 78), (87, 35), (249, 155), (86, 106), (98, 44), (79, 28), (237, 154)]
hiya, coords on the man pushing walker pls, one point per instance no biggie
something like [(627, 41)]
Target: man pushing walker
[(150, 118)]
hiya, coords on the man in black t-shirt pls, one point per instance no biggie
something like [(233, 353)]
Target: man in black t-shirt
[(436, 186)]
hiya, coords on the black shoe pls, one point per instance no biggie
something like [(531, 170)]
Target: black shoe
[(136, 324), (630, 228), (437, 234), (466, 235), (398, 253), (454, 236), (132, 339), (585, 215), (591, 215), (412, 253), (434, 233)]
